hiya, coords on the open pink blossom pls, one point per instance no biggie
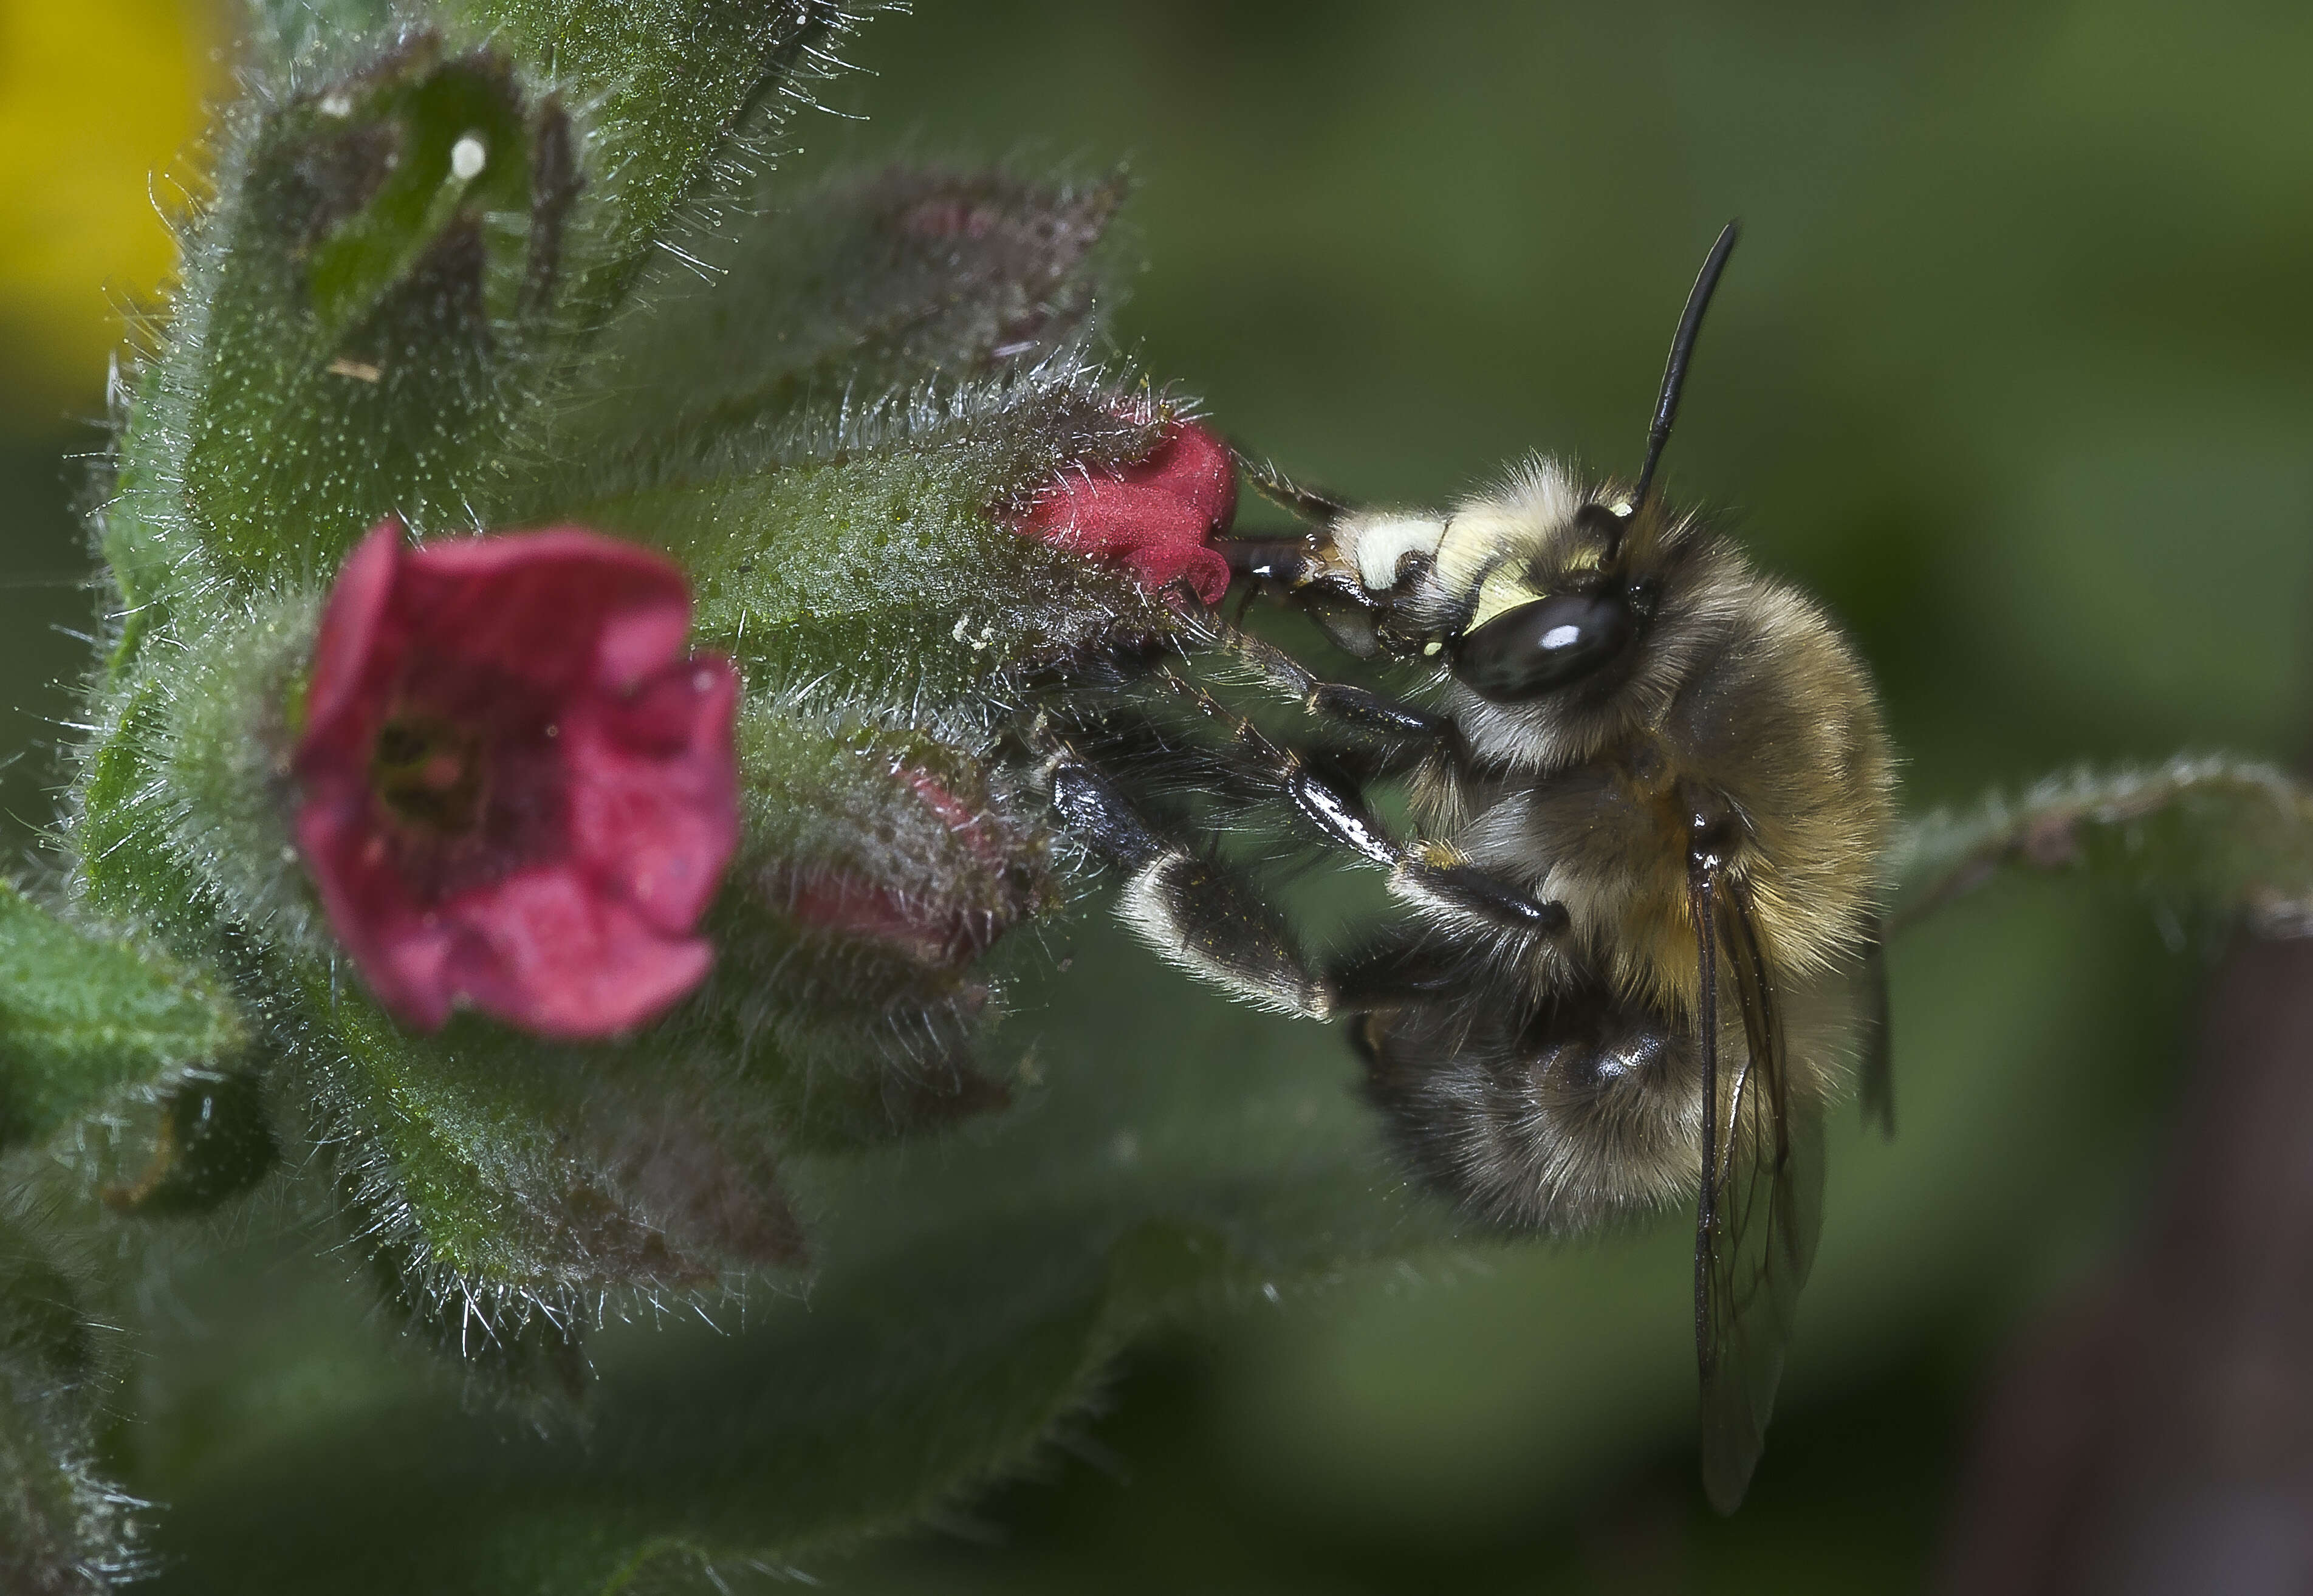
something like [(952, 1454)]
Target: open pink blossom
[(517, 789), (1156, 514)]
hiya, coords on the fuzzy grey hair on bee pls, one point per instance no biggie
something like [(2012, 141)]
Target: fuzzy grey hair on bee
[(1652, 789)]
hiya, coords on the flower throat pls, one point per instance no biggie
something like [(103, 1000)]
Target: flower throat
[(431, 774)]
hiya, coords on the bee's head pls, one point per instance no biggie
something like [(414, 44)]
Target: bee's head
[(1553, 595), (1561, 605), (1570, 611)]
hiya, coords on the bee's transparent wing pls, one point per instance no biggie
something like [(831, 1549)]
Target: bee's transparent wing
[(1762, 1198), (1875, 1068)]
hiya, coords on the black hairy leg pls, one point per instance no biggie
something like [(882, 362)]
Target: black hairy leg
[(1195, 909), (1406, 964), (1428, 873), (1087, 684), (1358, 710), (1285, 569), (1313, 505)]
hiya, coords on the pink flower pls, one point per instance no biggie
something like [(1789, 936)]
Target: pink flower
[(518, 791), (1155, 514)]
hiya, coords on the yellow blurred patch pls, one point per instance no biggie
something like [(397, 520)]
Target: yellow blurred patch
[(99, 99)]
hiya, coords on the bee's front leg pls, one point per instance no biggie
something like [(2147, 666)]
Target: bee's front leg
[(1359, 709)]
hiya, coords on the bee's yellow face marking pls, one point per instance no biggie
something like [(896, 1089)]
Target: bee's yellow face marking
[(1492, 542), (1505, 590), (1512, 583)]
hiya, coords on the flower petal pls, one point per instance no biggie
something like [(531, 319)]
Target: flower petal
[(349, 639), (654, 789), (558, 607), (517, 792), (380, 921), (545, 950)]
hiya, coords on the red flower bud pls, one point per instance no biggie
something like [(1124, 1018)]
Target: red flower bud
[(932, 928), (518, 792), (1155, 514)]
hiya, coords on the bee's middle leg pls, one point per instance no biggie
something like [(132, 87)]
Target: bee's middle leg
[(1197, 909)]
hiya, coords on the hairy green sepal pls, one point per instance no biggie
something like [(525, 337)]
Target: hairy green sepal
[(85, 1016)]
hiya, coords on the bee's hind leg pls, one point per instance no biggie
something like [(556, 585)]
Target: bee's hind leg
[(1195, 909), (1407, 964)]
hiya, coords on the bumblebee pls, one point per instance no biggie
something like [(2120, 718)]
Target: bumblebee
[(1652, 790)]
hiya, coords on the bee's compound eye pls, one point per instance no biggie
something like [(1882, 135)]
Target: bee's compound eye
[(1544, 645)]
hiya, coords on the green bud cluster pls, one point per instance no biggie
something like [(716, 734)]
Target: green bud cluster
[(483, 266), (451, 275)]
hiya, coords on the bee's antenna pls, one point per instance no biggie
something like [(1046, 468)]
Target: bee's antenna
[(1690, 323)]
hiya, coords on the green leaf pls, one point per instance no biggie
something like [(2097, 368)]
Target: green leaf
[(85, 1016), (182, 817), (285, 33), (680, 97), (967, 1299), (391, 250), (2216, 838), (400, 168), (63, 1528), (119, 821), (865, 559)]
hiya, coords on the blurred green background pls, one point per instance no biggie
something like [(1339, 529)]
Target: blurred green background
[(2012, 368)]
